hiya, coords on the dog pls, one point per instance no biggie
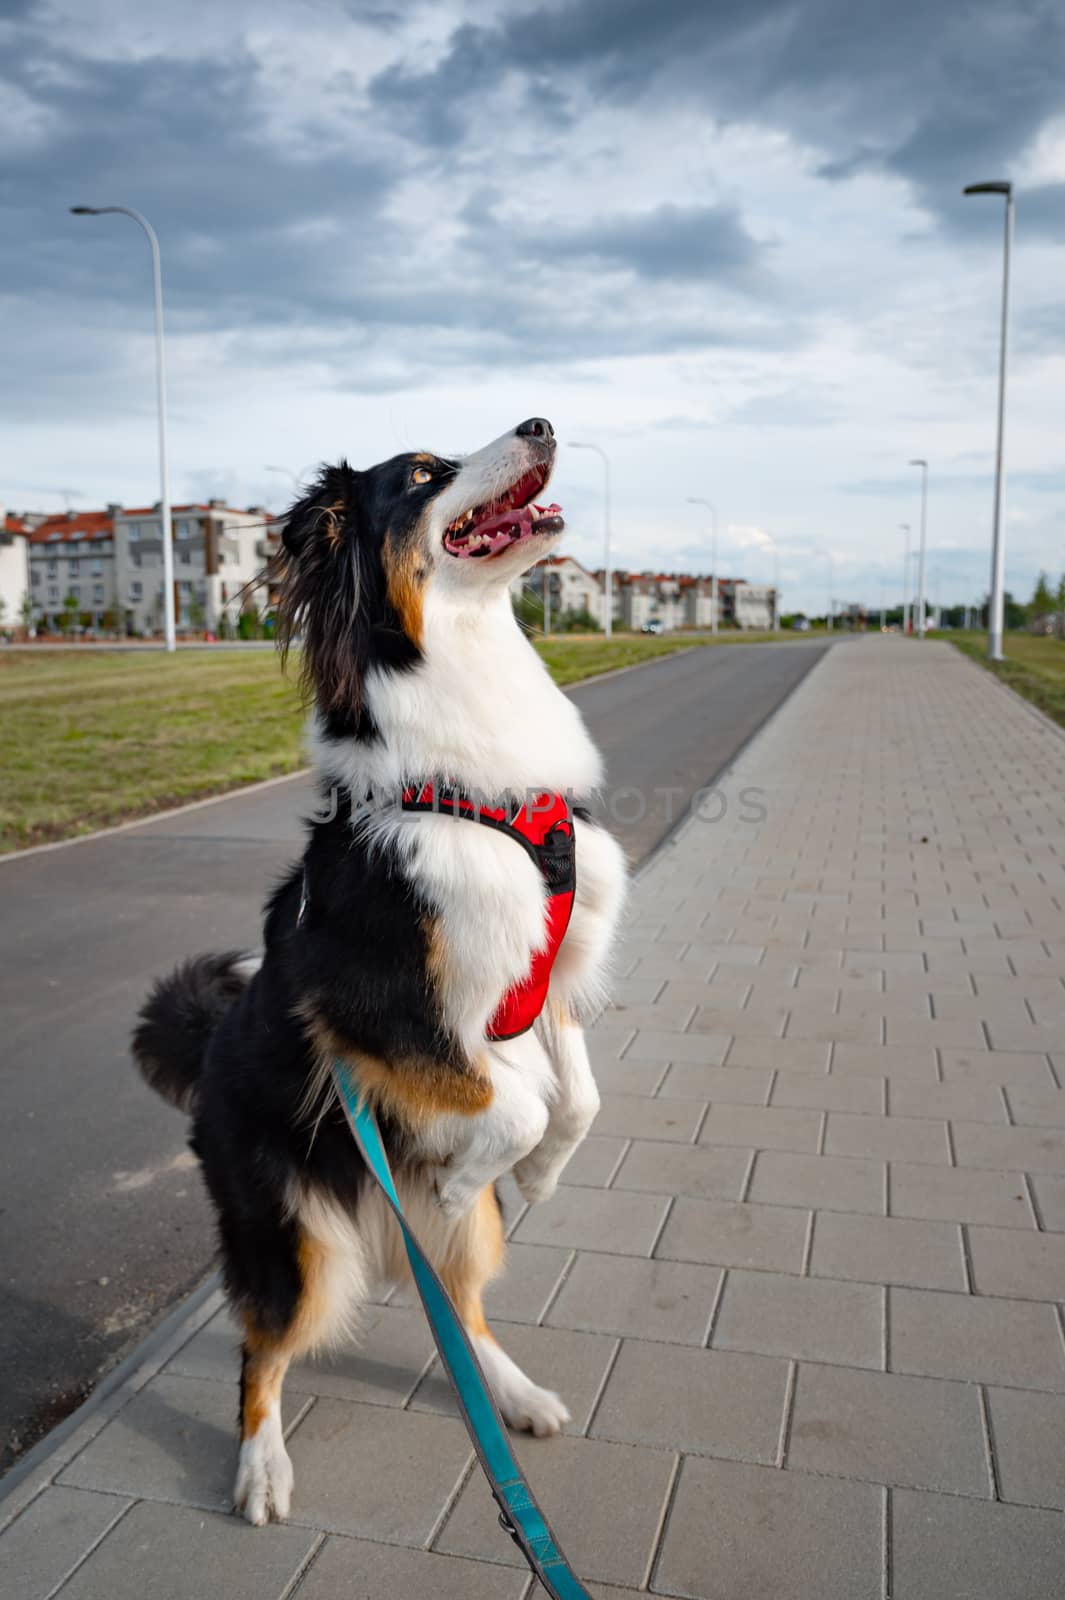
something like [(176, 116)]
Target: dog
[(448, 963)]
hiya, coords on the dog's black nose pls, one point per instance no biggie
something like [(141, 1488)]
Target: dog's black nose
[(535, 428)]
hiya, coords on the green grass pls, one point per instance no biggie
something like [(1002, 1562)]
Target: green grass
[(93, 737), (1034, 667)]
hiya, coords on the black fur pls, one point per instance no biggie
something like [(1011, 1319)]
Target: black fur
[(334, 587), (177, 1020)]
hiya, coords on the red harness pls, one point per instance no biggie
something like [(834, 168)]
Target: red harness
[(543, 827)]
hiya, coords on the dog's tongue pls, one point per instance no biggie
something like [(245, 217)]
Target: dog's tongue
[(514, 517)]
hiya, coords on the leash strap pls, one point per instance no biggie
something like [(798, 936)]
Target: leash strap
[(519, 1514)]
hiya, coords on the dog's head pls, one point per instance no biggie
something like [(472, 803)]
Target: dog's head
[(365, 552)]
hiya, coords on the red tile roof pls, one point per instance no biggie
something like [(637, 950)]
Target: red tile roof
[(80, 525)]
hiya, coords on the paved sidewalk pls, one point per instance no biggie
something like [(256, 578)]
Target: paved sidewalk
[(802, 1288)]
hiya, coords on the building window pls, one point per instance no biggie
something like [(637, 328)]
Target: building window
[(186, 558), (97, 567), (135, 589), (185, 587), (53, 594), (73, 568), (182, 530), (134, 532), (98, 593), (75, 591), (35, 575), (53, 568)]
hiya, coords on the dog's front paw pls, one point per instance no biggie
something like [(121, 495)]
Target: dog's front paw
[(264, 1478), (455, 1195), (536, 1181), (535, 1410)]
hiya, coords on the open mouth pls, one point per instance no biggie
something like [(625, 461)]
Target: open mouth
[(501, 523)]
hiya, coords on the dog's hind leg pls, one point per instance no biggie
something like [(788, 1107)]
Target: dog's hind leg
[(264, 1472), (475, 1258)]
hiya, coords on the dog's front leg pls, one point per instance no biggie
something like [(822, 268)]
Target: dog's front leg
[(574, 1108), (472, 1151)]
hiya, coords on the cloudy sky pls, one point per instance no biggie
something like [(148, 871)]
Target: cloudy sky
[(722, 238)]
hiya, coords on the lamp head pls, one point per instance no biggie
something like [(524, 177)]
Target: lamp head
[(998, 187), (84, 211)]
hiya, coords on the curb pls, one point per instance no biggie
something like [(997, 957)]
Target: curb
[(1015, 694)]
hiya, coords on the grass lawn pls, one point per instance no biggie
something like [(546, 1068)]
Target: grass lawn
[(92, 737), (1034, 667)]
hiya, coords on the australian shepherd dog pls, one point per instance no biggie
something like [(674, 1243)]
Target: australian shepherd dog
[(404, 935)]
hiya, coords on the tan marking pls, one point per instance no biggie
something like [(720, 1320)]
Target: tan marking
[(404, 580), (267, 1355), (415, 1090), (331, 520), (474, 1261)]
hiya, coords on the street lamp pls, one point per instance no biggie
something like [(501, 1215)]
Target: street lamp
[(920, 560), (905, 528), (160, 379), (693, 501), (817, 551), (998, 553), (608, 584)]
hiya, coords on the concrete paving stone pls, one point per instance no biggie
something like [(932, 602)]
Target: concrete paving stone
[(734, 1022), (974, 1337), (738, 1530), (860, 962), (877, 1061), (357, 1569), (639, 992), (1050, 1202), (650, 1045), (771, 1314), (987, 960), (593, 1161), (730, 1234), (979, 1008), (607, 1043), (831, 1183), (913, 1007), (761, 1127), (684, 1170), (918, 1433), (977, 1102), (636, 1117), (1028, 1438), (658, 1299), (175, 1440), (959, 1195), (574, 1364), (734, 1085), (922, 982), (179, 1554), (955, 1033), (994, 1066), (1036, 1105), (837, 1029), (1025, 1037), (1018, 1266), (604, 1502), (945, 1548), (781, 1055), (709, 1402), (725, 954), (589, 1219), (819, 1091), (1033, 1149), (849, 979), (375, 1473), (659, 968), (56, 1531), (890, 1138), (927, 1255), (727, 986), (665, 1014), (630, 1077)]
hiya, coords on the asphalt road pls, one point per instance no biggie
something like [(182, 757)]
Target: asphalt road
[(103, 1223)]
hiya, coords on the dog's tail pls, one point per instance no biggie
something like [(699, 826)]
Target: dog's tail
[(178, 1018)]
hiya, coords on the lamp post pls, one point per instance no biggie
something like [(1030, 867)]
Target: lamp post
[(920, 462), (696, 501), (831, 579), (608, 581), (160, 380), (998, 552), (905, 528)]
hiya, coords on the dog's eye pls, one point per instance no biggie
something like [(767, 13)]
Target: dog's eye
[(421, 475)]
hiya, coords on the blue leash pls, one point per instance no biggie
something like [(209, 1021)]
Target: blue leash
[(519, 1514)]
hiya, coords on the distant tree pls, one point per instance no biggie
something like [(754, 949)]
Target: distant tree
[(1059, 597), (195, 612), (1042, 604), (529, 610), (67, 615), (580, 621), (3, 610), (1015, 615), (248, 627), (25, 610)]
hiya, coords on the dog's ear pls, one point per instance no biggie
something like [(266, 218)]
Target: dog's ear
[(327, 588), (325, 512)]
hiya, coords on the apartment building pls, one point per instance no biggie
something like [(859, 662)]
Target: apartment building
[(110, 564), (14, 570), (570, 586)]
